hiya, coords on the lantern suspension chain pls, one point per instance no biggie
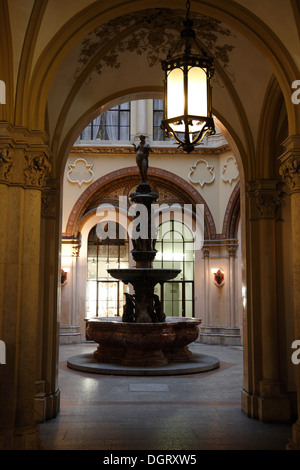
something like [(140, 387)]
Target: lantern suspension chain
[(188, 6)]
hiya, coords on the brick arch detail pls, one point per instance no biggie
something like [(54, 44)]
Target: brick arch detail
[(158, 172)]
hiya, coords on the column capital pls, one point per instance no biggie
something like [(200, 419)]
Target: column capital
[(267, 203), (290, 163), (205, 250), (37, 168), (24, 156), (6, 162), (265, 199), (49, 198), (232, 250)]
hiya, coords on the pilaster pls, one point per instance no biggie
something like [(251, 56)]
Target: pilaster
[(264, 394), (50, 298), (290, 172), (24, 164)]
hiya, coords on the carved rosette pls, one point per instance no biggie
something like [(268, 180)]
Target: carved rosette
[(6, 162), (37, 169), (267, 203), (290, 171)]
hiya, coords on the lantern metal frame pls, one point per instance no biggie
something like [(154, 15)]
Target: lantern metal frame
[(185, 61)]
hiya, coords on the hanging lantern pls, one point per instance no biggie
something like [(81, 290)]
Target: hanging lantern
[(187, 100)]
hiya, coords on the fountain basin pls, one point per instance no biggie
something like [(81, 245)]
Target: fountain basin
[(142, 344), (155, 275)]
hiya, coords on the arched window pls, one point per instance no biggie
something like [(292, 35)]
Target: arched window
[(105, 295), (175, 249)]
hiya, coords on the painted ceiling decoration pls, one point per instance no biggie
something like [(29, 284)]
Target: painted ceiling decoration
[(153, 33)]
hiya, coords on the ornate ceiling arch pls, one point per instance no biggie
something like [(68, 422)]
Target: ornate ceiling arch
[(247, 51), (97, 14)]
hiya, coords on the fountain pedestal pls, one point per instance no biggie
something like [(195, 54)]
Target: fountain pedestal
[(142, 344)]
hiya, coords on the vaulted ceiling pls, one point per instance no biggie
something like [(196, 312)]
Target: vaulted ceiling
[(71, 60)]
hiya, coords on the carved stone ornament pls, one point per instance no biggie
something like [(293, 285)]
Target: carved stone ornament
[(205, 250), (75, 251), (290, 171), (267, 204), (232, 250), (230, 170), (38, 168), (6, 162), (172, 150), (202, 173), (80, 172), (48, 207)]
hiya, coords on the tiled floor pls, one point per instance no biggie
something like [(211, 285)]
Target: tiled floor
[(189, 412)]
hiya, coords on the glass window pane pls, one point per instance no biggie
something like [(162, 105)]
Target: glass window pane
[(124, 118), (189, 270), (157, 118), (158, 104), (189, 291), (168, 308), (189, 252), (107, 125), (124, 133), (188, 308), (91, 299)]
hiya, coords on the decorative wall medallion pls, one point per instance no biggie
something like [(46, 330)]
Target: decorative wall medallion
[(80, 172), (201, 173), (230, 170), (5, 162)]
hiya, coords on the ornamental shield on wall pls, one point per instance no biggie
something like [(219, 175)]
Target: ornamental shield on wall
[(64, 276), (219, 277)]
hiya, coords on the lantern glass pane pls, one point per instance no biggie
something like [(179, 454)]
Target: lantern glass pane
[(197, 92), (197, 96), (175, 99)]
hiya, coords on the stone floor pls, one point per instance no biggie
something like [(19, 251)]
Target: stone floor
[(199, 411)]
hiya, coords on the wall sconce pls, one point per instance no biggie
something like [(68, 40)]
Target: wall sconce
[(219, 277), (63, 277)]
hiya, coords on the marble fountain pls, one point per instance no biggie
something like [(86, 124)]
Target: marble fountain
[(143, 341)]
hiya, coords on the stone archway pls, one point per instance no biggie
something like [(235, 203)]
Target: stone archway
[(30, 69)]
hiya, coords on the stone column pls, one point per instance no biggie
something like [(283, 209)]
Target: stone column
[(24, 162), (75, 315), (273, 404), (262, 396), (290, 171), (206, 289), (48, 395), (232, 320)]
